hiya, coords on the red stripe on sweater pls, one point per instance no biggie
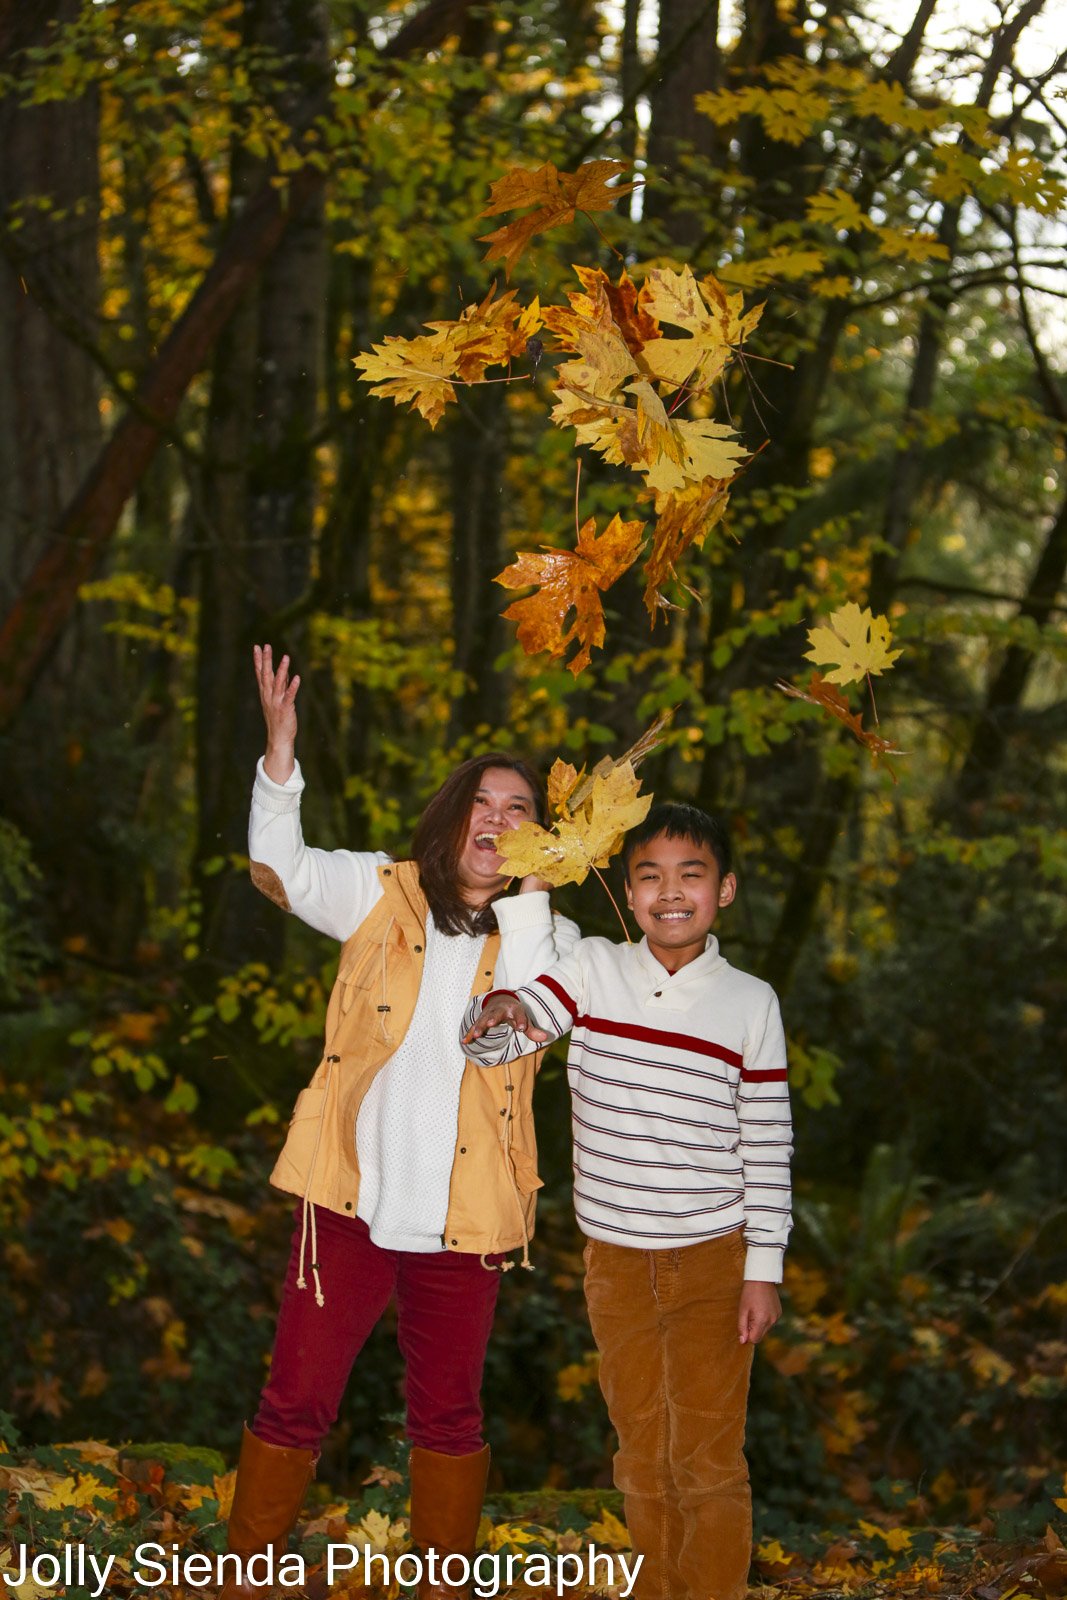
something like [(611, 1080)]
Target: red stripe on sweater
[(675, 1041), (750, 1075), (561, 995)]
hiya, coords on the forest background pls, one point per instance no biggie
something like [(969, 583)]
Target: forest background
[(208, 211)]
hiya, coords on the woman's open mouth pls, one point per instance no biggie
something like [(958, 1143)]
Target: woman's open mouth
[(486, 841)]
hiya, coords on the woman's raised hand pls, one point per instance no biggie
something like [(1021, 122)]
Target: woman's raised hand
[(277, 696)]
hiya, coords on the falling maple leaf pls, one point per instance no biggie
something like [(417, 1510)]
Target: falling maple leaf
[(627, 303), (585, 839), (557, 196), (561, 783), (715, 322), (855, 639), (683, 519), (607, 397), (425, 369), (570, 580), (821, 692)]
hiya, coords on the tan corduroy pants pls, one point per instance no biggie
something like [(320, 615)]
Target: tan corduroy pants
[(675, 1378)]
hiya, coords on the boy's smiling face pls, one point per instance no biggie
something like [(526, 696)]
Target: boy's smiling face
[(675, 891)]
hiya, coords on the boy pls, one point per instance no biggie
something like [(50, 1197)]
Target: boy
[(681, 1184)]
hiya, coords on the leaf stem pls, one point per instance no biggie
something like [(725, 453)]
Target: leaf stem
[(874, 707), (615, 903), (577, 521)]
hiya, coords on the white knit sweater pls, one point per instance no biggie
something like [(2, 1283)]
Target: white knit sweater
[(406, 1129), (680, 1111)]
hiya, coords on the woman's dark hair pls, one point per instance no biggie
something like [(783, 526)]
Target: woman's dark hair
[(440, 834), (680, 821)]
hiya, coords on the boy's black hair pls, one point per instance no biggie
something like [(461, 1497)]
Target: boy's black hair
[(680, 821)]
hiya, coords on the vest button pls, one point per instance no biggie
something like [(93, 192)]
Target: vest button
[(418, 949), (455, 1241), (503, 1111), (387, 872), (348, 1205), (463, 1149)]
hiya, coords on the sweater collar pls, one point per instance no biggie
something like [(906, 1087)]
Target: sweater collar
[(698, 970)]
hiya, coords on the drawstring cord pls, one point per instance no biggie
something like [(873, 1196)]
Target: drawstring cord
[(308, 1209)]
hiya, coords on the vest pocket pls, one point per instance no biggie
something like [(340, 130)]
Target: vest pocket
[(526, 1179), (304, 1127)]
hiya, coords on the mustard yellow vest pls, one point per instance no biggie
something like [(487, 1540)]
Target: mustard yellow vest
[(492, 1194)]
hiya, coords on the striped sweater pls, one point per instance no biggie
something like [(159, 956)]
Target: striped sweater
[(680, 1110)]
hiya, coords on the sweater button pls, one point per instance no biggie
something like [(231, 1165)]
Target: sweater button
[(657, 994)]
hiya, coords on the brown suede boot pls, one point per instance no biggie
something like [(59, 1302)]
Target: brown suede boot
[(271, 1484), (446, 1508)]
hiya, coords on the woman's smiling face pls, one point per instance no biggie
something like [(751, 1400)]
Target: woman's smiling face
[(502, 800), (675, 891)]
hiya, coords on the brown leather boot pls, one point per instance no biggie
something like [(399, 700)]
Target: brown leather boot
[(271, 1484), (446, 1508)]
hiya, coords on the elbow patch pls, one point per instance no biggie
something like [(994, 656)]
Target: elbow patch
[(268, 882)]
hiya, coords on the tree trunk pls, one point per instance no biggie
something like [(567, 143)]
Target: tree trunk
[(688, 47), (258, 492), (45, 601)]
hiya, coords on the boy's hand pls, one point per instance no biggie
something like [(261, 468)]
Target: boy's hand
[(531, 883), (759, 1310), (505, 1008)]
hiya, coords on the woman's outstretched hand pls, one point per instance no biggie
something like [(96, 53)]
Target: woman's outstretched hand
[(277, 696)]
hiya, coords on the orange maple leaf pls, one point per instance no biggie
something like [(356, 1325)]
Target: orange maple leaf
[(570, 580), (821, 693), (558, 196), (683, 518)]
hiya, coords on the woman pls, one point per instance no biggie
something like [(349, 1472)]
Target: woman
[(414, 1171)]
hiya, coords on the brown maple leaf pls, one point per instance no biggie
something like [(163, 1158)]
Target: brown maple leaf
[(627, 303), (820, 692), (570, 580), (557, 196), (684, 518)]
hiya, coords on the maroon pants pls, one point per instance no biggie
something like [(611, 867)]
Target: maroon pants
[(445, 1305)]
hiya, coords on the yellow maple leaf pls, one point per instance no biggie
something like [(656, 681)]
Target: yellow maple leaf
[(424, 370), (715, 322), (838, 210), (570, 580), (225, 1484), (557, 197), (584, 840), (856, 640), (608, 1531)]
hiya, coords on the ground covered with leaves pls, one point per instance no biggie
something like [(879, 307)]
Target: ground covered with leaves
[(111, 1500)]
